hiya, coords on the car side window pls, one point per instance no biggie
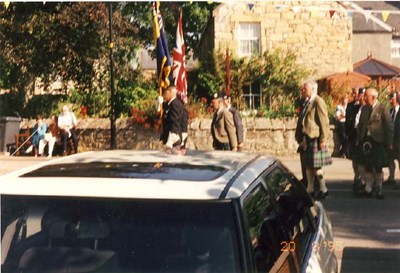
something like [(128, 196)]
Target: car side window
[(264, 233), (292, 211)]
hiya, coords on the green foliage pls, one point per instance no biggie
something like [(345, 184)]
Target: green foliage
[(278, 72), (44, 105), (195, 16), (281, 78), (67, 40), (210, 78)]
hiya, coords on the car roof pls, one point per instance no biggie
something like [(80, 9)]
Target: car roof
[(197, 175)]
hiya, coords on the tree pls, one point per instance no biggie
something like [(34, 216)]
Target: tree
[(67, 40), (195, 18)]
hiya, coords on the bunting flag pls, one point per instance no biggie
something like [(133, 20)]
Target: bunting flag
[(367, 14), (349, 13), (163, 59), (296, 9), (314, 13), (179, 67), (331, 13), (385, 15), (251, 6), (6, 4)]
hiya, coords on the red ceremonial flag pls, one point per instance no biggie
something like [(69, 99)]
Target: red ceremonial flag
[(228, 73), (179, 67)]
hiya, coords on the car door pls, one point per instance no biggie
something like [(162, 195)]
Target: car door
[(292, 206), (265, 234)]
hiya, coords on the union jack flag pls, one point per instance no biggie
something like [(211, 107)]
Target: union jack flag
[(163, 58), (179, 67)]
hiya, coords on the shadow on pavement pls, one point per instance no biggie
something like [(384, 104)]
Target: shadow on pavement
[(370, 260)]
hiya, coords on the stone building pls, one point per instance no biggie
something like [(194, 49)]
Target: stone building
[(321, 40), (319, 33)]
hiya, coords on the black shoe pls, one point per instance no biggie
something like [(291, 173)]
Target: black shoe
[(322, 195), (390, 181), (367, 194), (379, 195)]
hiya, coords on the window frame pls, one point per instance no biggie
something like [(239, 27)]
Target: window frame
[(244, 36), (395, 47)]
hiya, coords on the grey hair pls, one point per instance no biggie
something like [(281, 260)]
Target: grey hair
[(373, 92), (313, 85)]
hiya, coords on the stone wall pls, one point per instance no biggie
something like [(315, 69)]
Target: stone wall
[(262, 135), (321, 43)]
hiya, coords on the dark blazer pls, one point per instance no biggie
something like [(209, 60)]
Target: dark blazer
[(223, 128), (184, 119), (351, 113), (238, 124), (377, 122), (172, 119), (314, 121), (396, 133)]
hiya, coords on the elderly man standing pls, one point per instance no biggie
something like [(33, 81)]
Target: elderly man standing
[(395, 155), (311, 133), (375, 138), (237, 121), (223, 129)]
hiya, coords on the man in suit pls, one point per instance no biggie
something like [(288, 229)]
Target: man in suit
[(395, 155), (237, 120), (312, 131), (223, 129), (375, 139), (171, 133), (351, 131)]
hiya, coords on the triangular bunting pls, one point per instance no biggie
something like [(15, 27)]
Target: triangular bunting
[(251, 6), (314, 13), (6, 4), (385, 15), (367, 14), (296, 9), (332, 12), (278, 7)]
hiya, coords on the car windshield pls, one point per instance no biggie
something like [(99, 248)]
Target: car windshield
[(48, 234), (174, 171)]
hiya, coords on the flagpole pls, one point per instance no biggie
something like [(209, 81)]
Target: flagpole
[(228, 73), (113, 141)]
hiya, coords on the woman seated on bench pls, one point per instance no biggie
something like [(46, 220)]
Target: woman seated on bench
[(39, 130), (51, 137)]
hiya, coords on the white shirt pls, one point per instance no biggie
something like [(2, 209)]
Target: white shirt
[(341, 112), (67, 121)]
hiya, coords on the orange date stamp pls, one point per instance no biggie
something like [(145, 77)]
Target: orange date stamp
[(331, 246)]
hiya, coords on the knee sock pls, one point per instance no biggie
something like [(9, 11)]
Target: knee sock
[(310, 180), (321, 180), (369, 181)]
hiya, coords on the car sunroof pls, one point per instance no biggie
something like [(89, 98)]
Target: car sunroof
[(163, 171)]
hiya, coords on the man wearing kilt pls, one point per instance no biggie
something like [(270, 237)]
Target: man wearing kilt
[(375, 138), (311, 133)]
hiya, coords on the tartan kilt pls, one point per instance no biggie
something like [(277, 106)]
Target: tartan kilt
[(376, 156), (315, 158)]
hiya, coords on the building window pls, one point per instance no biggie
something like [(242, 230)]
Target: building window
[(249, 39), (252, 95), (395, 48)]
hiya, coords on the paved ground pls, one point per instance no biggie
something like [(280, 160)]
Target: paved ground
[(367, 231)]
